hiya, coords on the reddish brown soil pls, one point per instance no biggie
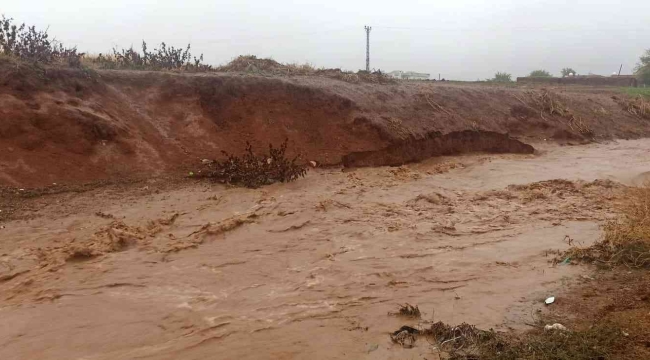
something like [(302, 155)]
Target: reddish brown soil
[(436, 144), (619, 298), (70, 126)]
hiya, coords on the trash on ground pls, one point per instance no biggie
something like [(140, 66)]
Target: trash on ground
[(555, 327), (549, 300)]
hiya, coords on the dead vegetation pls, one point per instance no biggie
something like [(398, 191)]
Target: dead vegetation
[(637, 106), (604, 340), (161, 58), (551, 104), (264, 66), (34, 46), (252, 170), (626, 240)]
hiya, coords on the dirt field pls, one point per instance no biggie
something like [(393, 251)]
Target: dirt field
[(167, 269)]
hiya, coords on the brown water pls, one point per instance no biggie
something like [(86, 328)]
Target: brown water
[(304, 270)]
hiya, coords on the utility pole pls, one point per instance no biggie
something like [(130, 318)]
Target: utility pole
[(368, 28)]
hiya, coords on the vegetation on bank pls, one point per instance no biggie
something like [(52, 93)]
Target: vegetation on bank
[(643, 68), (603, 318), (28, 44), (626, 239), (254, 170)]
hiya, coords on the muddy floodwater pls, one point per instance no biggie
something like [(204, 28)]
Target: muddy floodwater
[(306, 270)]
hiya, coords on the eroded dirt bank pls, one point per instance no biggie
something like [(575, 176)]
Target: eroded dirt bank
[(302, 270), (435, 144), (68, 126)]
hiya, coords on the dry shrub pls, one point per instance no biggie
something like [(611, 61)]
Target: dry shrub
[(548, 102), (638, 106), (626, 240), (265, 66), (162, 58), (460, 342), (28, 44), (253, 170), (577, 125), (600, 341), (467, 342)]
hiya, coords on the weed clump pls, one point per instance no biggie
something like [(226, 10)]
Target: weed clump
[(638, 106), (467, 342), (252, 170), (28, 44), (550, 103), (626, 240), (162, 58)]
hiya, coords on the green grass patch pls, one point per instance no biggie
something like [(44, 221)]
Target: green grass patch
[(637, 91)]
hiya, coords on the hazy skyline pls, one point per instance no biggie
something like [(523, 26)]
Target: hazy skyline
[(462, 39)]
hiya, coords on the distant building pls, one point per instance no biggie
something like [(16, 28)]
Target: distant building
[(397, 74), (408, 75)]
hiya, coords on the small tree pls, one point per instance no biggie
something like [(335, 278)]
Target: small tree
[(502, 77), (643, 67), (568, 72), (540, 73)]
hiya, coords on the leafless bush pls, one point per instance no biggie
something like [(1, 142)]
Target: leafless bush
[(28, 44), (253, 170), (161, 58)]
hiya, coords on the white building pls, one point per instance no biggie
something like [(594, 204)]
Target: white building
[(408, 75)]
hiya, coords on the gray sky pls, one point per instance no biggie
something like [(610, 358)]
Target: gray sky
[(461, 39)]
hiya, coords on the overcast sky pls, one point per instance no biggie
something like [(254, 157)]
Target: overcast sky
[(461, 39)]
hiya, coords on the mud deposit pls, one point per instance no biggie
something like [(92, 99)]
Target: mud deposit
[(309, 269)]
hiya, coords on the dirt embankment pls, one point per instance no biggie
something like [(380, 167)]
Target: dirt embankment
[(436, 144), (69, 126)]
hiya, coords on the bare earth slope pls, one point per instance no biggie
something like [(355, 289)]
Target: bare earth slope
[(67, 126)]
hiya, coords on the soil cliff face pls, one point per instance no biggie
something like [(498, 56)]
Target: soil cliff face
[(73, 127), (62, 126)]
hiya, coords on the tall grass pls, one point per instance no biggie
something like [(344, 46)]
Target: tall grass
[(626, 239), (637, 91)]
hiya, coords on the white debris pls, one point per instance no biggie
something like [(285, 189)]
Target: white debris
[(550, 300), (555, 327), (313, 163), (206, 161)]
